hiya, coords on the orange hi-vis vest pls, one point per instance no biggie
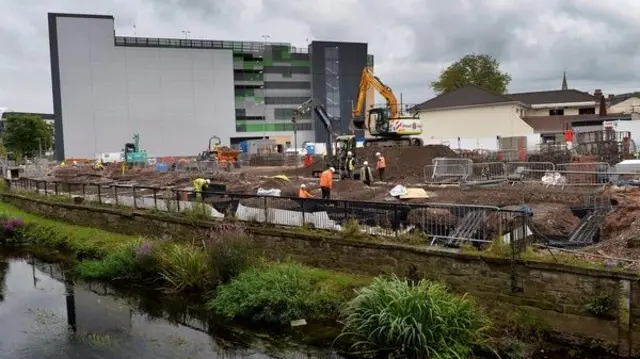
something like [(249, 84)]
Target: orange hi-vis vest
[(326, 179), (381, 163), (302, 193)]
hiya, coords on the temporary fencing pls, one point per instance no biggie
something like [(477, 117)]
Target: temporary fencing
[(429, 223), (447, 171)]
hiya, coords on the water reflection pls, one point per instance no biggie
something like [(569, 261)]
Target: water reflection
[(44, 315)]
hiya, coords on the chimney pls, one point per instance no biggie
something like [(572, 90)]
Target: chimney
[(597, 93), (603, 106)]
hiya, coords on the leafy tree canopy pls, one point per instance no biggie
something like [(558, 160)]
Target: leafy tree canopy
[(476, 69), (25, 134)]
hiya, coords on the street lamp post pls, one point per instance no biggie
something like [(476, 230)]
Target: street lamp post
[(186, 33)]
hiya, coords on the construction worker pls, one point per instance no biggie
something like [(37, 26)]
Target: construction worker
[(326, 182), (303, 193), (380, 166), (199, 184), (63, 165), (351, 164), (365, 174), (98, 166)]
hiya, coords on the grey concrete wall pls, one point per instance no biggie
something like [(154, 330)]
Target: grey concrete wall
[(353, 59), (175, 98)]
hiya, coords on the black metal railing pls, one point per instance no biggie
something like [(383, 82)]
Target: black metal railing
[(452, 225)]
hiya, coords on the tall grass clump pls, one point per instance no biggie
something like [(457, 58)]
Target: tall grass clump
[(280, 293), (229, 251), (185, 269), (134, 261), (393, 317), (118, 265)]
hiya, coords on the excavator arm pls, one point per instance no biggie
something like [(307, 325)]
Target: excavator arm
[(314, 105), (369, 79)]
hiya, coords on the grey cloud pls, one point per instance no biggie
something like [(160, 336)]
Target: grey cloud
[(598, 48)]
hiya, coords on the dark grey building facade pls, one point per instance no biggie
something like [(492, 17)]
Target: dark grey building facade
[(336, 69)]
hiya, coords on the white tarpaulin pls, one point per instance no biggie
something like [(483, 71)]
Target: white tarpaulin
[(398, 190), (553, 179), (286, 217), (272, 192)]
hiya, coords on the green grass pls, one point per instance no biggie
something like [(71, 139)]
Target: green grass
[(85, 242), (282, 292), (393, 317)]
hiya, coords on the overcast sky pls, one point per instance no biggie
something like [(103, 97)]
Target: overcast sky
[(412, 40)]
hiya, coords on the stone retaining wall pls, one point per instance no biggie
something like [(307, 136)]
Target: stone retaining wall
[(554, 297)]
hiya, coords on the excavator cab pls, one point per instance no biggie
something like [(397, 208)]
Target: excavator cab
[(378, 121)]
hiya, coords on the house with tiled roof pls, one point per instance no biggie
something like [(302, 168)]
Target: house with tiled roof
[(474, 112), (627, 103)]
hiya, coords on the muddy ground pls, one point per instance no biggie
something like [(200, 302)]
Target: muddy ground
[(620, 235)]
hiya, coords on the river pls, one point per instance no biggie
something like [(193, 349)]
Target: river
[(45, 315)]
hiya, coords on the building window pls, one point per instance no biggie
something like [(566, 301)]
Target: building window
[(332, 80), (587, 111), (287, 85), (556, 112), (285, 100)]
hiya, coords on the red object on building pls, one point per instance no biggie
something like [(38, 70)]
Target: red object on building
[(568, 135)]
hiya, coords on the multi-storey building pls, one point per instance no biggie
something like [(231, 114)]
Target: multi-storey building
[(177, 93)]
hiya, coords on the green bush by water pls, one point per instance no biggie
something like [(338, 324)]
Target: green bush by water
[(392, 316), (280, 293)]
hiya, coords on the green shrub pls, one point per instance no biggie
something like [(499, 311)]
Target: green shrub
[(229, 250), (185, 269), (417, 321), (119, 265), (198, 211), (137, 261), (280, 293), (352, 229)]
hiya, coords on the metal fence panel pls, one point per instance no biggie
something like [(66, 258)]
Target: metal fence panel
[(443, 174), (528, 171), (428, 224), (489, 171)]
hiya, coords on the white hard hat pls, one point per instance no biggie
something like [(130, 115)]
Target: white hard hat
[(366, 163), (377, 153), (349, 153), (303, 186), (332, 169), (208, 181)]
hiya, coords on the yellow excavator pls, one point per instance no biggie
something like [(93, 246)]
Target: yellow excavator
[(387, 125)]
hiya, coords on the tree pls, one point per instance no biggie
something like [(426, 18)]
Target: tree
[(25, 135), (480, 70)]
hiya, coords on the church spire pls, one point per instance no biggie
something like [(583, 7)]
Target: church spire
[(564, 81)]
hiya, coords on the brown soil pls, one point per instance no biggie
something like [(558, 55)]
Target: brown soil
[(405, 162), (553, 219), (432, 216)]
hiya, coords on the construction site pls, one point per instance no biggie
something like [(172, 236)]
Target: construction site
[(589, 207), (579, 195)]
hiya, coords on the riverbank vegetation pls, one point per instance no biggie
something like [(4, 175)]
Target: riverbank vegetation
[(232, 281)]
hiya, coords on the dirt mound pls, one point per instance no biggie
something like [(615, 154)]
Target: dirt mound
[(553, 219), (405, 163), (499, 223), (287, 188), (620, 221), (432, 216)]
